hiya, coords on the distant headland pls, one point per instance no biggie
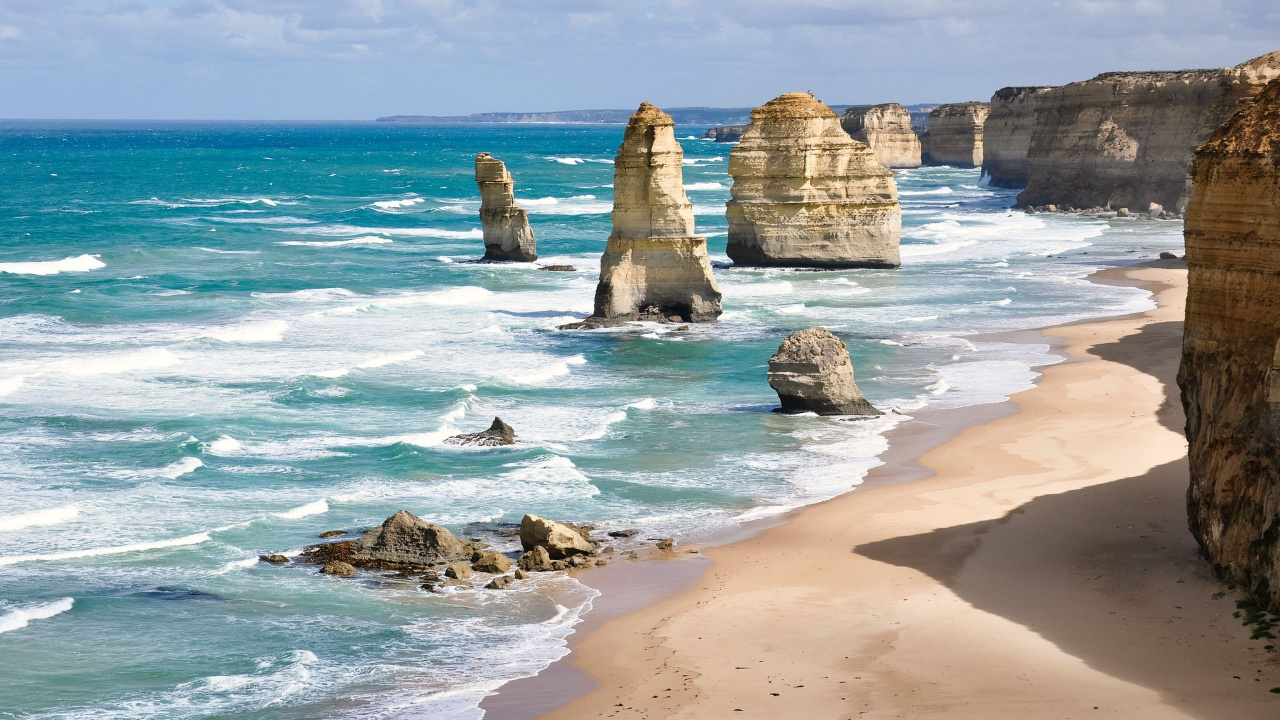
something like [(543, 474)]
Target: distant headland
[(682, 116)]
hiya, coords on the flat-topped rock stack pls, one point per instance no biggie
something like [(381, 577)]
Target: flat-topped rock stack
[(654, 265), (1006, 135), (887, 130), (1230, 374), (805, 194), (507, 235), (954, 136), (1127, 139)]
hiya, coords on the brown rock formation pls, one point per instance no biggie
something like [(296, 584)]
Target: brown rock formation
[(507, 235), (811, 372), (558, 539), (653, 264), (724, 133), (887, 130), (1230, 374), (1126, 139), (406, 539), (805, 194), (499, 433), (954, 136), (1006, 135)]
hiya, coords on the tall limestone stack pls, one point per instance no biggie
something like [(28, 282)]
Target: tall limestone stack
[(1006, 135), (1230, 374), (805, 194), (1126, 139), (955, 134), (887, 129), (654, 266), (507, 235)]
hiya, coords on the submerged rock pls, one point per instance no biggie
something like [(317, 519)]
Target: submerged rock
[(558, 539), (458, 570), (955, 134), (502, 582), (499, 433), (811, 372), (331, 533), (405, 539), (507, 235), (1006, 135), (275, 559), (886, 129)]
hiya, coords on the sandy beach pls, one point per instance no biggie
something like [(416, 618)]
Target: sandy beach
[(1042, 569)]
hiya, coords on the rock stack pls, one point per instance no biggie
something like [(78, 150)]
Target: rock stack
[(805, 194), (1126, 139), (887, 130), (811, 372), (507, 235), (1230, 374), (955, 135), (654, 266), (1006, 135)]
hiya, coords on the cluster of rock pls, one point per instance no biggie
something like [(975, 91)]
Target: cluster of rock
[(724, 133), (886, 129), (1230, 373), (805, 194), (505, 225), (499, 433), (812, 372), (954, 136), (1153, 211), (1006, 135)]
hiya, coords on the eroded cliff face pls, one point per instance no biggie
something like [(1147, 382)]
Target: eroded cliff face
[(886, 129), (507, 235), (1230, 374), (653, 266), (1127, 139), (805, 194), (1006, 135), (954, 136)]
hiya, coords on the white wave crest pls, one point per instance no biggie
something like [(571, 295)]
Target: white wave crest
[(705, 186), (339, 230), (544, 374), (180, 468), (225, 444), (195, 539), (148, 359), (49, 516), (366, 240), (373, 362), (80, 263), (17, 619), (252, 332), (935, 191), (312, 508), (394, 204)]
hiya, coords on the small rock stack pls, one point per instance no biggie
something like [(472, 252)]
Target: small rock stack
[(811, 372), (886, 129), (507, 235)]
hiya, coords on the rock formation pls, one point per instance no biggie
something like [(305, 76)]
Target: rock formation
[(806, 194), (1006, 135), (811, 372), (402, 541), (1126, 139), (507, 235), (954, 136), (653, 262), (499, 433), (558, 539), (1230, 374), (724, 133), (887, 130)]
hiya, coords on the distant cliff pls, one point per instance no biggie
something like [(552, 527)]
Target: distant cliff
[(682, 116), (887, 130), (954, 136), (724, 133), (1006, 135)]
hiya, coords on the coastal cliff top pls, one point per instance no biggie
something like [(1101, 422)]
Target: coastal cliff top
[(793, 105), (1270, 60), (960, 108), (648, 114), (886, 109), (1254, 130), (1013, 91)]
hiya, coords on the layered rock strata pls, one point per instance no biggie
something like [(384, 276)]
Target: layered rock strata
[(887, 130), (805, 194), (1006, 135), (507, 235), (954, 136), (1230, 373), (1127, 139), (811, 372), (653, 263)]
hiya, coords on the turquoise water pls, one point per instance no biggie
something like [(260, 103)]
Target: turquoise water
[(220, 340)]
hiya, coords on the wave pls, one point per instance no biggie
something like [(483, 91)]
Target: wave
[(577, 160), (310, 294), (575, 205), (374, 362), (922, 250), (705, 186), (253, 332), (48, 516), (228, 252), (340, 229), (10, 385), (17, 619), (211, 202), (541, 375), (464, 295), (366, 240), (80, 263), (935, 191), (272, 220), (312, 508), (224, 444), (149, 359), (396, 204), (195, 539), (180, 468), (603, 430)]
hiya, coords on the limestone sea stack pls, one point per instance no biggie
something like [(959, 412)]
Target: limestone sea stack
[(507, 235), (805, 194), (887, 130), (1230, 374), (653, 264), (1006, 135), (954, 136), (1127, 139), (811, 372)]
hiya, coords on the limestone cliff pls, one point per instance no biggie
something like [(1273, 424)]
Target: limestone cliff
[(1127, 139), (1230, 374), (887, 130), (653, 263), (724, 133), (507, 235), (1006, 135), (811, 372), (806, 194), (954, 136)]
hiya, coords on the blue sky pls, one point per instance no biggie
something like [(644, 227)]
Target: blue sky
[(357, 59)]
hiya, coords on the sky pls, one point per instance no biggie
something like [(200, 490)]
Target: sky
[(359, 59)]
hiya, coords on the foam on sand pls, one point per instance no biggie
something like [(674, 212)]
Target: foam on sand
[(20, 618), (80, 263), (49, 516)]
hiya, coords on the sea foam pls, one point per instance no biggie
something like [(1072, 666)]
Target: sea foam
[(49, 516), (80, 263), (20, 618), (195, 539)]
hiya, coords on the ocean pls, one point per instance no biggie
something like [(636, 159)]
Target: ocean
[(219, 340)]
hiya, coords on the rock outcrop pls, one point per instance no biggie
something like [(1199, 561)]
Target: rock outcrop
[(805, 194), (887, 130), (499, 433), (653, 262), (558, 539), (811, 372), (954, 136), (1006, 135), (402, 541), (724, 133), (1126, 139), (507, 235), (1230, 374)]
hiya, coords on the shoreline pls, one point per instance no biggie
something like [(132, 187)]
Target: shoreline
[(636, 646)]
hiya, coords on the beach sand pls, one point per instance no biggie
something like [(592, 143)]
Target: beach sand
[(1042, 569)]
